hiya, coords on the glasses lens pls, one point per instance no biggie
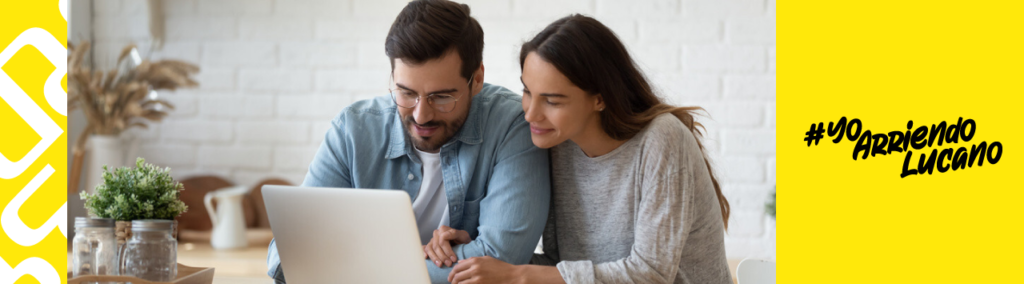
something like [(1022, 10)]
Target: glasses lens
[(404, 98), (443, 100), (445, 107)]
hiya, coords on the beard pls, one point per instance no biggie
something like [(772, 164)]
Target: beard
[(433, 143)]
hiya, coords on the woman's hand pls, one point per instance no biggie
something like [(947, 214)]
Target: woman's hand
[(485, 270), (439, 248)]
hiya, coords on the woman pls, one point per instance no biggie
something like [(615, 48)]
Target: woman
[(633, 196)]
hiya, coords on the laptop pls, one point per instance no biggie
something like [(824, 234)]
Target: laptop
[(343, 235)]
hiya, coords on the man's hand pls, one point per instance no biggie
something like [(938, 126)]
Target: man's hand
[(439, 248)]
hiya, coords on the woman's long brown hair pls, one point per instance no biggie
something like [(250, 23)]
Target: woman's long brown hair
[(594, 59)]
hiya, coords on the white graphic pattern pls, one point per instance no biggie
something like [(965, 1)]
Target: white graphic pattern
[(16, 228), (37, 267), (49, 131), (22, 104)]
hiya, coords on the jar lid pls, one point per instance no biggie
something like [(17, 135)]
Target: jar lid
[(83, 222), (152, 225)]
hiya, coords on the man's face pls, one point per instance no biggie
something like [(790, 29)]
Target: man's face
[(427, 125)]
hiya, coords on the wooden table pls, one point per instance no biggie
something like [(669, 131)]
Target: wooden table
[(249, 265)]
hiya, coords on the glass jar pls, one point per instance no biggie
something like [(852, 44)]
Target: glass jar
[(94, 247), (152, 253)]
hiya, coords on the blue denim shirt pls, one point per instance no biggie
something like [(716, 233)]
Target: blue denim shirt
[(497, 181)]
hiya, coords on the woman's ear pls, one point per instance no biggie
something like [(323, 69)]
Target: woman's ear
[(598, 102)]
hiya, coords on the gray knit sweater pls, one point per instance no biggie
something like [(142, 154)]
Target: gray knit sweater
[(644, 213)]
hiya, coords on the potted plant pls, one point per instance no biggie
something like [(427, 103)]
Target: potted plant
[(143, 192)]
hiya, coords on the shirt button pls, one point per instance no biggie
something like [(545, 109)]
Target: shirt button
[(412, 177)]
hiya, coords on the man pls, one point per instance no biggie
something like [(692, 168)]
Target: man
[(460, 147)]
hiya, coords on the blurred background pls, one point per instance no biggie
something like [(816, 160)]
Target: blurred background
[(274, 73)]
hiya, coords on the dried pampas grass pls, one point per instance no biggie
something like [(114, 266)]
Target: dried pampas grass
[(116, 100)]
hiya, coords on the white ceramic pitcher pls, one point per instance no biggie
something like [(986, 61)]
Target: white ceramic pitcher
[(228, 220)]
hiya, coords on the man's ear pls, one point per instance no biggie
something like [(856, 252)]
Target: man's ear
[(478, 80)]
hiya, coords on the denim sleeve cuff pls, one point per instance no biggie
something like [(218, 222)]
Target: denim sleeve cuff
[(278, 276), (274, 263), (437, 274)]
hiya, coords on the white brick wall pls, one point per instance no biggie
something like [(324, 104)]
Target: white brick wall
[(274, 72)]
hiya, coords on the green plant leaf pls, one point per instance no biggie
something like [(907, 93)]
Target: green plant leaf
[(143, 192)]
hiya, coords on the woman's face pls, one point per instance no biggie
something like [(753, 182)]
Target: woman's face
[(556, 109)]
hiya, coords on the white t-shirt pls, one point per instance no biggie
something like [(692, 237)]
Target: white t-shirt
[(431, 204)]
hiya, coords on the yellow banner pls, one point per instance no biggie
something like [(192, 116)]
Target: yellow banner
[(33, 142), (933, 193)]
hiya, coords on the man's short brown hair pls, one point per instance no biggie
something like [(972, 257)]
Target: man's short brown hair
[(427, 29)]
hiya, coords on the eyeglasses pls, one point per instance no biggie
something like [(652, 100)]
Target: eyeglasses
[(441, 102)]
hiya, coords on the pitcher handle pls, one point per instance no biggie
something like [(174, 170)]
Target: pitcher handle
[(209, 207)]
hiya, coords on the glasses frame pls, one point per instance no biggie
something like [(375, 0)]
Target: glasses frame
[(430, 97)]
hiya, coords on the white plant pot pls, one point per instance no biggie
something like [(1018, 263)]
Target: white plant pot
[(102, 150)]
